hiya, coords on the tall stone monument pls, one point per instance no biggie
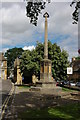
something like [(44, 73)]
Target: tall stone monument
[(46, 85), (46, 64), (45, 68)]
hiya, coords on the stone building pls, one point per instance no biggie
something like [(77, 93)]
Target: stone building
[(17, 72), (3, 67), (75, 64)]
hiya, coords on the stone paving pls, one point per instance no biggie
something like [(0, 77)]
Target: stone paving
[(24, 99)]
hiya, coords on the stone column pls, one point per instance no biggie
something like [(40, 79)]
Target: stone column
[(45, 71), (46, 15), (17, 72)]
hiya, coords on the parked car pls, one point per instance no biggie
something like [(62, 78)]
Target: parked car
[(78, 84), (72, 84)]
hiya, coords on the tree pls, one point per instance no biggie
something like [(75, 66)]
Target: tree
[(29, 65), (30, 61), (11, 55), (76, 11), (59, 61), (33, 10), (78, 58)]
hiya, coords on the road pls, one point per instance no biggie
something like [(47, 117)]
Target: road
[(5, 87)]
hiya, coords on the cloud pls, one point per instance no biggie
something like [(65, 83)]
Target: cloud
[(70, 46), (15, 23), (29, 47), (35, 0), (60, 27), (16, 27), (17, 31), (5, 49), (11, 0)]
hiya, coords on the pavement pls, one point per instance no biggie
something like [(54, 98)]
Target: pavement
[(24, 100)]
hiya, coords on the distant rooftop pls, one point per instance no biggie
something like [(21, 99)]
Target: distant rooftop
[(76, 65)]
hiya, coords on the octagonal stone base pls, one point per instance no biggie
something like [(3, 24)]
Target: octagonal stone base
[(45, 71), (47, 88), (46, 85)]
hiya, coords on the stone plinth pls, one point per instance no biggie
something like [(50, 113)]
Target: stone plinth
[(45, 71), (47, 88), (46, 85), (45, 75)]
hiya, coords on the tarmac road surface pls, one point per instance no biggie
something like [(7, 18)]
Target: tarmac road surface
[(5, 87)]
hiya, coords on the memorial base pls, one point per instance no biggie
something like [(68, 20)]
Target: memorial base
[(45, 70), (46, 85), (47, 88)]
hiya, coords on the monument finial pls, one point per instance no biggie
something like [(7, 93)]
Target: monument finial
[(46, 15)]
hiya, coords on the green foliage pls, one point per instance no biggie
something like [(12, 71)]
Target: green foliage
[(11, 55), (76, 11), (33, 9), (68, 90), (30, 61), (78, 58), (59, 61)]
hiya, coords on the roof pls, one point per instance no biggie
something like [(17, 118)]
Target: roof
[(2, 58), (76, 65)]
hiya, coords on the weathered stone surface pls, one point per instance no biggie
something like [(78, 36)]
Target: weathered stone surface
[(45, 68), (46, 85), (17, 72), (45, 72), (3, 67)]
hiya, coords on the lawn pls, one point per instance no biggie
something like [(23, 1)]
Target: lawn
[(26, 87), (68, 90), (67, 112)]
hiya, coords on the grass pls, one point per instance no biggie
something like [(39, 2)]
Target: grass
[(67, 112), (68, 90), (26, 87)]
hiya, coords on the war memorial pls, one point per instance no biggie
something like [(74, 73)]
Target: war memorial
[(46, 84)]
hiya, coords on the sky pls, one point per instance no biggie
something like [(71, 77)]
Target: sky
[(16, 30)]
